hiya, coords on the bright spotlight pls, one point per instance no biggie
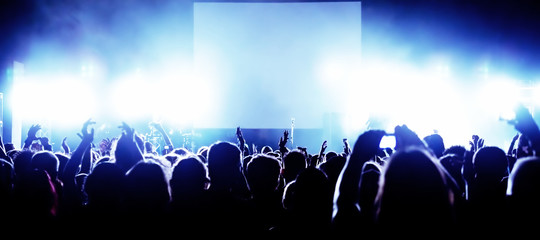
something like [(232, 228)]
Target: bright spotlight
[(133, 98), (499, 97), (59, 99)]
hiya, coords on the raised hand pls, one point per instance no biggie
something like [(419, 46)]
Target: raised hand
[(127, 130), (283, 140), (476, 143), (406, 137), (31, 136), (512, 145), (368, 143), (346, 147), (128, 149), (33, 131), (323, 147), (45, 143), (240, 137), (321, 152), (283, 143), (85, 134), (254, 148), (346, 190), (65, 146)]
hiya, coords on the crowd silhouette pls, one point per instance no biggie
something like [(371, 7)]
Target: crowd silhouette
[(419, 187)]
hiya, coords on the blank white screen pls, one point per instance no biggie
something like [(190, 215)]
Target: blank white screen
[(265, 63)]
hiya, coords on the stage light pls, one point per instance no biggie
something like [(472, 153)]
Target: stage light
[(133, 98), (74, 102), (185, 101), (64, 100), (424, 98), (499, 96)]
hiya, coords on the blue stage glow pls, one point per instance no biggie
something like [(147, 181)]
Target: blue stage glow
[(342, 67)]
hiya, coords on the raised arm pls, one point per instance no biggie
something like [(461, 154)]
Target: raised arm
[(283, 143), (346, 208), (346, 147), (73, 190), (73, 165), (31, 135), (467, 169), (241, 140), (86, 163), (164, 134), (405, 137), (127, 152), (45, 143), (510, 151), (65, 146), (321, 153)]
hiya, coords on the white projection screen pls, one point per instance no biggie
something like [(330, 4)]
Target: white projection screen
[(264, 63)]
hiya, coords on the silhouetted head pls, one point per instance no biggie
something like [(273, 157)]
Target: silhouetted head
[(37, 197), (224, 162), (524, 181), (147, 188), (189, 174), (11, 153), (523, 192), (182, 151), (9, 146), (312, 188), (294, 162), (332, 167), (105, 184), (126, 153), (330, 154), (490, 162), (457, 150), (369, 186), (262, 174), (436, 143), (22, 163), (413, 191), (46, 160), (312, 200), (266, 149)]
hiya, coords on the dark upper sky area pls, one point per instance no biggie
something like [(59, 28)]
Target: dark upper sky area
[(504, 32)]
